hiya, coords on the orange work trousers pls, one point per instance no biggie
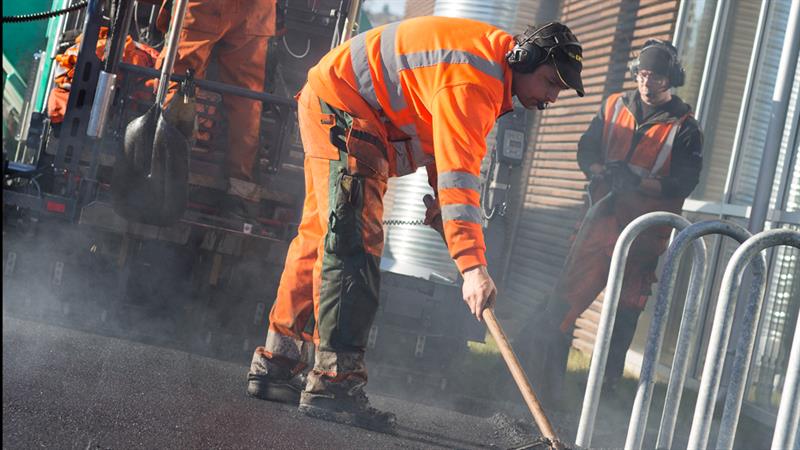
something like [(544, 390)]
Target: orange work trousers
[(328, 291), (589, 261), (238, 31)]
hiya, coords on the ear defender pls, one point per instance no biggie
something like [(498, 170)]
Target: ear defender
[(677, 76), (676, 73), (633, 67), (536, 45), (526, 55)]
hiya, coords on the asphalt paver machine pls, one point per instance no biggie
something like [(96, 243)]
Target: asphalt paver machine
[(206, 282)]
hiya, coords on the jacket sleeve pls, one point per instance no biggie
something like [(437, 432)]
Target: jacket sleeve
[(590, 146), (686, 162), (462, 116)]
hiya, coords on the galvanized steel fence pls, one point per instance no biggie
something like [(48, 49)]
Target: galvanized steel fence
[(786, 430)]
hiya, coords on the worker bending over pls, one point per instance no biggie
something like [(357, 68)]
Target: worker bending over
[(423, 92)]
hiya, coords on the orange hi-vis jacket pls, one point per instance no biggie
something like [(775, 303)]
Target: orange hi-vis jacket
[(133, 53), (650, 158), (437, 85)]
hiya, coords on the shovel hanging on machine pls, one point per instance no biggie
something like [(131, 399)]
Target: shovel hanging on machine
[(150, 180)]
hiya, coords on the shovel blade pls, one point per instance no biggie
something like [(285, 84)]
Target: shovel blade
[(150, 181)]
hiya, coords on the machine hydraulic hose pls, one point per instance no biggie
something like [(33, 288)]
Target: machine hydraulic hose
[(45, 14)]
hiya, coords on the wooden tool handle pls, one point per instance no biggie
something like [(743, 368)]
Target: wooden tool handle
[(519, 377)]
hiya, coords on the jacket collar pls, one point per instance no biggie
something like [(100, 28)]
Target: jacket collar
[(508, 94), (671, 111)]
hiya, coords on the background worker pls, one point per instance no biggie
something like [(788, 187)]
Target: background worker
[(644, 146), (238, 31), (133, 52), (422, 92)]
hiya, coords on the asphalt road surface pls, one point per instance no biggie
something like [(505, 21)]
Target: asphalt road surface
[(68, 389)]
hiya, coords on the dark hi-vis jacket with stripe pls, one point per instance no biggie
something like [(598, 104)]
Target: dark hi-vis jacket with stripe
[(431, 88), (666, 145)]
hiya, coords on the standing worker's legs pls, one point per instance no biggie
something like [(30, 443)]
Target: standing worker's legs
[(276, 371), (242, 63), (292, 318), (239, 31), (636, 289), (194, 51), (584, 277), (586, 268), (243, 56), (334, 265), (202, 29), (349, 274), (624, 330)]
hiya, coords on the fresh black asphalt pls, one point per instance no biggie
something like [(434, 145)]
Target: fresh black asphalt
[(70, 389)]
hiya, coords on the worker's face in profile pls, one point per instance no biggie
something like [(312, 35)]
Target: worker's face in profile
[(538, 88)]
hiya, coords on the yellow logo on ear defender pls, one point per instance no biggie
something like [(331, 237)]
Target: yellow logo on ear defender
[(576, 57)]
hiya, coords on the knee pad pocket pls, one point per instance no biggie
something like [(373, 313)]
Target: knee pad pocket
[(344, 224)]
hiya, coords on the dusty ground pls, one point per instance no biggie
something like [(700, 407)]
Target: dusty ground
[(64, 388)]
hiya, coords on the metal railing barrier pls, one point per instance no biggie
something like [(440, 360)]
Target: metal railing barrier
[(612, 293), (655, 337), (685, 342), (688, 326), (788, 423), (718, 344)]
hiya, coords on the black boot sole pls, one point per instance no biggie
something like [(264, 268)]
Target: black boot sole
[(378, 424)]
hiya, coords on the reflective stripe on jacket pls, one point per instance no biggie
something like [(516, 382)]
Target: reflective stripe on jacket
[(439, 85), (652, 154), (649, 158)]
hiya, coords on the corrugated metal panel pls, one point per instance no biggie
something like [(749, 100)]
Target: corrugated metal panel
[(499, 13), (416, 8), (510, 15), (412, 250), (533, 12), (549, 202), (418, 250)]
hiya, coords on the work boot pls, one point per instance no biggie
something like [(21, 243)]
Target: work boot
[(243, 201), (338, 396), (278, 370), (244, 189), (240, 209), (275, 380)]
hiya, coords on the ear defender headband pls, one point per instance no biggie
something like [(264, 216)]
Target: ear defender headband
[(536, 47), (675, 72)]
